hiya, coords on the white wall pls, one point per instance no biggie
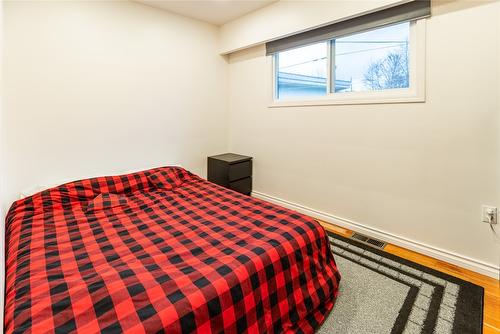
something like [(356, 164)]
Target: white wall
[(94, 87), (419, 171), (287, 17), (498, 137)]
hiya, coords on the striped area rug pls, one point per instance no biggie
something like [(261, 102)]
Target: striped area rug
[(383, 293)]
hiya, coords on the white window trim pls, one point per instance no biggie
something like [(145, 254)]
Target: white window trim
[(415, 93)]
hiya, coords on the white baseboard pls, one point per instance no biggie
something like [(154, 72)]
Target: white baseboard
[(441, 254)]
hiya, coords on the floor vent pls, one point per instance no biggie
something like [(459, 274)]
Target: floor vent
[(369, 241)]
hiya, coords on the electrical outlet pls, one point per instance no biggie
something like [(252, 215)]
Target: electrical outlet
[(489, 213)]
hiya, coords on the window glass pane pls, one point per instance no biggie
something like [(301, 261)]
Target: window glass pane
[(373, 60), (302, 71)]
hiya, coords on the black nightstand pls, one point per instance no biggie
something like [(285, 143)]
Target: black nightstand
[(232, 171)]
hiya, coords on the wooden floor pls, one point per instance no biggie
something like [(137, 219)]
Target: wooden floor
[(491, 286)]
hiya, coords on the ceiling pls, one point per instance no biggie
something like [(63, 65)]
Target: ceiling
[(216, 12)]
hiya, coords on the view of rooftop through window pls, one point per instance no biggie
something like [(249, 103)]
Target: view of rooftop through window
[(302, 71), (371, 60)]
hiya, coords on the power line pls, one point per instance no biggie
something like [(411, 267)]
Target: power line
[(370, 42), (304, 62), (366, 50), (340, 54)]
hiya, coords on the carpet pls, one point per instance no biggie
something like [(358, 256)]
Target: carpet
[(383, 293)]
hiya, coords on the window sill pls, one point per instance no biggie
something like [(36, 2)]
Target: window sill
[(344, 101)]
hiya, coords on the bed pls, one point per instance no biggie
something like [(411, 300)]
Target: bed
[(163, 251)]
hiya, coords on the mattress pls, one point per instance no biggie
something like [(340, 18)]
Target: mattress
[(163, 251)]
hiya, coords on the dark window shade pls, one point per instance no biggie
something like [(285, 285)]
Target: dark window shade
[(412, 10)]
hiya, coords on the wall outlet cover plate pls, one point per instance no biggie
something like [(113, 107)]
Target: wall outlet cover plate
[(488, 211)]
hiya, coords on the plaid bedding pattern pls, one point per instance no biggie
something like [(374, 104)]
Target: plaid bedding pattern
[(117, 254)]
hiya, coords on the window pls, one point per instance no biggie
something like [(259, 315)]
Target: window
[(302, 71), (374, 66), (372, 60)]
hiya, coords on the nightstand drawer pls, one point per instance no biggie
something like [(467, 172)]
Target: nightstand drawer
[(240, 170), (233, 171), (243, 186)]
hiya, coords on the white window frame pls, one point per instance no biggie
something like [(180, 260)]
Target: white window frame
[(415, 93)]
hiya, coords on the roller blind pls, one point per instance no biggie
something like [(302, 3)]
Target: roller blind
[(408, 11)]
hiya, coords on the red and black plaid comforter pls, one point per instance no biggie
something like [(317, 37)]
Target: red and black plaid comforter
[(117, 254)]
